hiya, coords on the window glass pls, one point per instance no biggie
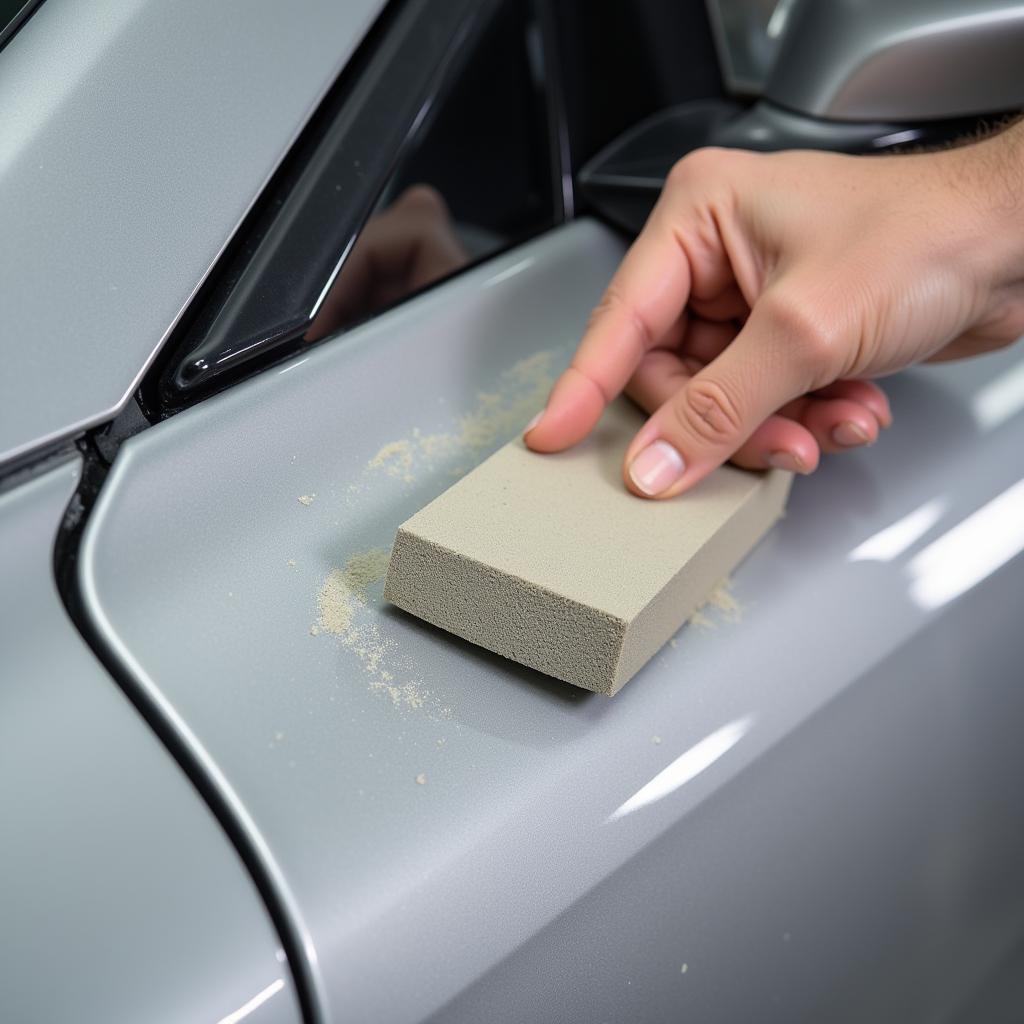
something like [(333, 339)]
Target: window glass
[(476, 179), (622, 62)]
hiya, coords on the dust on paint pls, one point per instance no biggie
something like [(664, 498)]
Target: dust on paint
[(345, 604), (521, 392), (349, 594), (395, 458), (722, 600)]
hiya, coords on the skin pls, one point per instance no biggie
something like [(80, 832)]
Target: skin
[(767, 290), (402, 249)]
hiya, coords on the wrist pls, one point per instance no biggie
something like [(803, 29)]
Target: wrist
[(988, 179)]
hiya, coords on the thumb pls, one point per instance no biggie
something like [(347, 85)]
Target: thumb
[(769, 363)]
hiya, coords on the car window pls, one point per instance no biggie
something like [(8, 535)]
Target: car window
[(477, 178), (431, 151)]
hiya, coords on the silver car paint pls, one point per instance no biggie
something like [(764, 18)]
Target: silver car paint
[(134, 136), (809, 814), (896, 60), (121, 899)]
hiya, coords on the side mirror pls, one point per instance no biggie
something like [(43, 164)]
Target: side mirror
[(851, 76), (899, 60)]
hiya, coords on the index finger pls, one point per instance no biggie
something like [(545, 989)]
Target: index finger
[(640, 308)]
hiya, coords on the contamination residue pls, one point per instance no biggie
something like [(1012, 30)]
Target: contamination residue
[(350, 594), (722, 600), (498, 415)]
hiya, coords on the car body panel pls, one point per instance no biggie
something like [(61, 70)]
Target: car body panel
[(467, 834), (122, 899), (135, 135), (878, 840)]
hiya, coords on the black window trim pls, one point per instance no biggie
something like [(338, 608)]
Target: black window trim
[(267, 287), (9, 29)]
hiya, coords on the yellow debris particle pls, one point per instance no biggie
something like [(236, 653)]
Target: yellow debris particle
[(522, 390), (722, 600)]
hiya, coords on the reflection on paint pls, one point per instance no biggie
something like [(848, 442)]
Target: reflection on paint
[(892, 541), (504, 275), (257, 1001), (780, 15), (687, 766), (1000, 399), (971, 551), (291, 366)]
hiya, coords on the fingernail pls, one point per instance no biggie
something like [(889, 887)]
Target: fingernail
[(656, 468), (787, 461), (850, 435), (536, 419)]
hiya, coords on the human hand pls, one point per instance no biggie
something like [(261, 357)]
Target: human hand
[(401, 250), (766, 288)]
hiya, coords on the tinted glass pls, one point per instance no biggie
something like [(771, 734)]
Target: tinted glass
[(477, 177), (622, 62)]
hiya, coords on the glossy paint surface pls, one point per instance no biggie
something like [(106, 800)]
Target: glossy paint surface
[(803, 809), (120, 896)]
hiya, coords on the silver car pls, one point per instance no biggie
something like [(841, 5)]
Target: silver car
[(271, 277)]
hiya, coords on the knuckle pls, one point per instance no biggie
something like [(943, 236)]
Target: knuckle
[(807, 331), (698, 165), (707, 410)]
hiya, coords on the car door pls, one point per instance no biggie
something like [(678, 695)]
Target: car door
[(808, 787)]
